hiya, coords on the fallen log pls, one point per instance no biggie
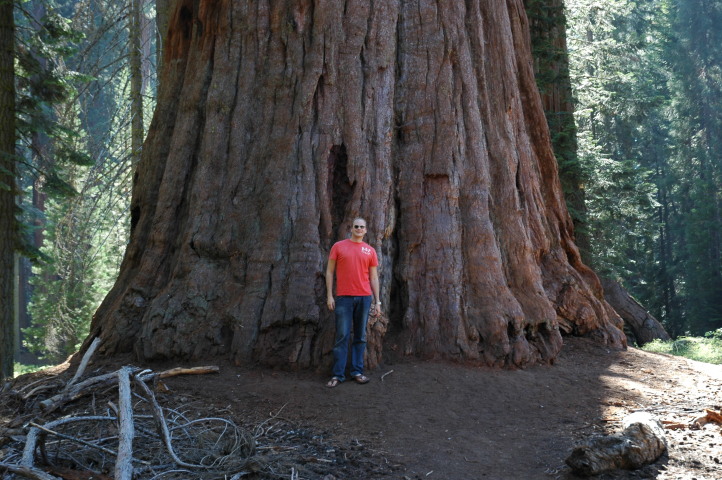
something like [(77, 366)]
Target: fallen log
[(641, 443), (644, 326)]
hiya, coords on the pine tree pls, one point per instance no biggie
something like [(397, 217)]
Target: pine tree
[(695, 55), (8, 189)]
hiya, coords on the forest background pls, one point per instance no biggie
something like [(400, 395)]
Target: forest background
[(641, 162)]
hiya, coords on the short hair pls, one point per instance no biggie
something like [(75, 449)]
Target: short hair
[(358, 218)]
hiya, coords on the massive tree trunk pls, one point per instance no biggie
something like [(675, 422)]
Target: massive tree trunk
[(8, 226), (279, 122), (642, 324)]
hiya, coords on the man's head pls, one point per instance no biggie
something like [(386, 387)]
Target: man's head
[(358, 228)]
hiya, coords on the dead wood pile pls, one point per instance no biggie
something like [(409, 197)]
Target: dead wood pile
[(120, 432), (123, 424)]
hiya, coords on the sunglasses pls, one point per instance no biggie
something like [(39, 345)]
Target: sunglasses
[(359, 226)]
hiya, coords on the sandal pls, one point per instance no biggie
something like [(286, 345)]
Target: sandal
[(361, 378), (333, 382)]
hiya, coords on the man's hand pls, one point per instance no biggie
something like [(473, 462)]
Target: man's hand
[(330, 303), (375, 310)]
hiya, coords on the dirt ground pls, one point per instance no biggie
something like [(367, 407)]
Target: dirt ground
[(436, 420)]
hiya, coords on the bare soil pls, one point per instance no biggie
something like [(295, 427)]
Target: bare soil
[(438, 420)]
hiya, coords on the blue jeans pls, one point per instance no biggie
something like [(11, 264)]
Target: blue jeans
[(351, 312)]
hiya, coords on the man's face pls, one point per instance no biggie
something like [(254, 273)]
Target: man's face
[(358, 229)]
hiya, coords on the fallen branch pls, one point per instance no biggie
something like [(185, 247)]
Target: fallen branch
[(83, 388), (124, 461), (27, 472), (202, 443), (84, 362), (188, 371), (41, 388), (259, 430), (699, 422), (47, 383)]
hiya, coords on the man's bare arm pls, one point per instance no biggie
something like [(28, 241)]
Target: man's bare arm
[(374, 277), (330, 270)]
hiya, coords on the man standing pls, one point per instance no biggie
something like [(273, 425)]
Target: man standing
[(357, 286)]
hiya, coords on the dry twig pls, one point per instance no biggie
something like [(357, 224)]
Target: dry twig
[(163, 427), (30, 443)]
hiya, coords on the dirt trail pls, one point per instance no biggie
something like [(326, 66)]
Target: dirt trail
[(446, 421)]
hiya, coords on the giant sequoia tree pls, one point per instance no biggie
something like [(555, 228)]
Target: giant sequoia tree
[(279, 122)]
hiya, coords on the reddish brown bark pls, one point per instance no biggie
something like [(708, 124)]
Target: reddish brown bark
[(643, 326), (278, 122)]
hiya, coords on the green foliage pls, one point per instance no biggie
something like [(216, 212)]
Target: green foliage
[(715, 334), (647, 76), (44, 83), (611, 49), (695, 59), (77, 165), (21, 369), (86, 236), (706, 349)]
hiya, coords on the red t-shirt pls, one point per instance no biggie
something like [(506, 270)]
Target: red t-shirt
[(353, 260)]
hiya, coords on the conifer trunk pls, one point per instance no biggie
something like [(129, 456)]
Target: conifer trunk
[(279, 122), (8, 190), (136, 79)]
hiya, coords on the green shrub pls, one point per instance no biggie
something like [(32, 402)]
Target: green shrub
[(706, 349)]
